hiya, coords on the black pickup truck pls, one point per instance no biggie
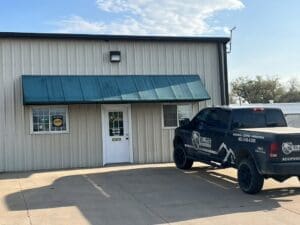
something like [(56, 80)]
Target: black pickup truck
[(256, 141)]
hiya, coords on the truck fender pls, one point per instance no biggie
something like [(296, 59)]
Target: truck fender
[(245, 153), (177, 141)]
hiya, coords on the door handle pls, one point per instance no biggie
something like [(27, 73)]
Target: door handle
[(127, 138)]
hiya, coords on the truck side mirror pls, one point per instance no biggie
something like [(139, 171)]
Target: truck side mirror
[(184, 122)]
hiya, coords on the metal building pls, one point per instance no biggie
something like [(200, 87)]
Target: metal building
[(70, 100)]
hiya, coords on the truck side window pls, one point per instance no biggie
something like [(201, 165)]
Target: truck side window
[(223, 118), (212, 118), (201, 117), (218, 118)]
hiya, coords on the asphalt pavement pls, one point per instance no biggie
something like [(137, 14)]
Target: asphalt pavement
[(143, 194)]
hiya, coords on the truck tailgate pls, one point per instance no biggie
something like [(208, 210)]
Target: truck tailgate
[(288, 139), (290, 147)]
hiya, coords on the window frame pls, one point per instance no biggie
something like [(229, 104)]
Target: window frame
[(50, 107), (177, 104)]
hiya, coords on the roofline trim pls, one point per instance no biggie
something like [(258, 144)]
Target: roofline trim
[(108, 37)]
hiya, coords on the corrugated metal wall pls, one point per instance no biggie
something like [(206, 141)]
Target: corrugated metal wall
[(82, 146), (151, 142)]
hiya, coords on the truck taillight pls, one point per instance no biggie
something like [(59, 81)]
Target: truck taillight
[(258, 109), (274, 149)]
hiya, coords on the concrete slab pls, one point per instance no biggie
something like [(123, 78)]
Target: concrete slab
[(143, 194)]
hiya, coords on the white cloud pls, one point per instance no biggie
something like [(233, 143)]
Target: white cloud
[(76, 24), (156, 17)]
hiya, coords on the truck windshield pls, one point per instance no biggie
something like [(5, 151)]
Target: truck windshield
[(253, 118)]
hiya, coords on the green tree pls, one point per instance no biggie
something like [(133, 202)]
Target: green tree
[(258, 90), (293, 94)]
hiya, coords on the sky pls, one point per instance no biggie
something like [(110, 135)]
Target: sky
[(265, 42)]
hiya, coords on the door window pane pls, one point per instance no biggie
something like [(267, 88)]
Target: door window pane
[(116, 124)]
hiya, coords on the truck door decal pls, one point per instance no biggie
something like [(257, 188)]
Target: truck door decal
[(203, 144), (229, 153), (199, 141)]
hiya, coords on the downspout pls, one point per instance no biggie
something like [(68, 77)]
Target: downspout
[(226, 75), (221, 73)]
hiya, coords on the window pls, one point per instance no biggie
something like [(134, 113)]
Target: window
[(201, 116), (223, 118), (170, 115), (116, 127), (253, 118), (173, 114), (248, 118), (218, 118), (275, 118), (49, 120), (212, 118)]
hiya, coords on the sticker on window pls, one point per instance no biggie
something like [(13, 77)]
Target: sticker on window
[(57, 121)]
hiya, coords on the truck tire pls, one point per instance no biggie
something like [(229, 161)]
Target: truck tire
[(180, 158), (250, 181)]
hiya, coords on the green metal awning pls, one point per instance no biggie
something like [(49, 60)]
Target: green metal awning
[(44, 90)]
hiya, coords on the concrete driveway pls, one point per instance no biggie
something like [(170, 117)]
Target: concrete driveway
[(143, 194)]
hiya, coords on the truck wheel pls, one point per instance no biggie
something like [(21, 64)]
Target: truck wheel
[(180, 158), (250, 181)]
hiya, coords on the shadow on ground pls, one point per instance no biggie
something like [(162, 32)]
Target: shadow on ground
[(149, 196)]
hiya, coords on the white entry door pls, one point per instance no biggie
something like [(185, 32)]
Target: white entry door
[(116, 129)]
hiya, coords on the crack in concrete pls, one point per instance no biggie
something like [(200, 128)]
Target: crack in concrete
[(25, 202), (291, 211)]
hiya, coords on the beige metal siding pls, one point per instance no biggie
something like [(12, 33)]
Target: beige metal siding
[(151, 142), (147, 134), (19, 150)]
